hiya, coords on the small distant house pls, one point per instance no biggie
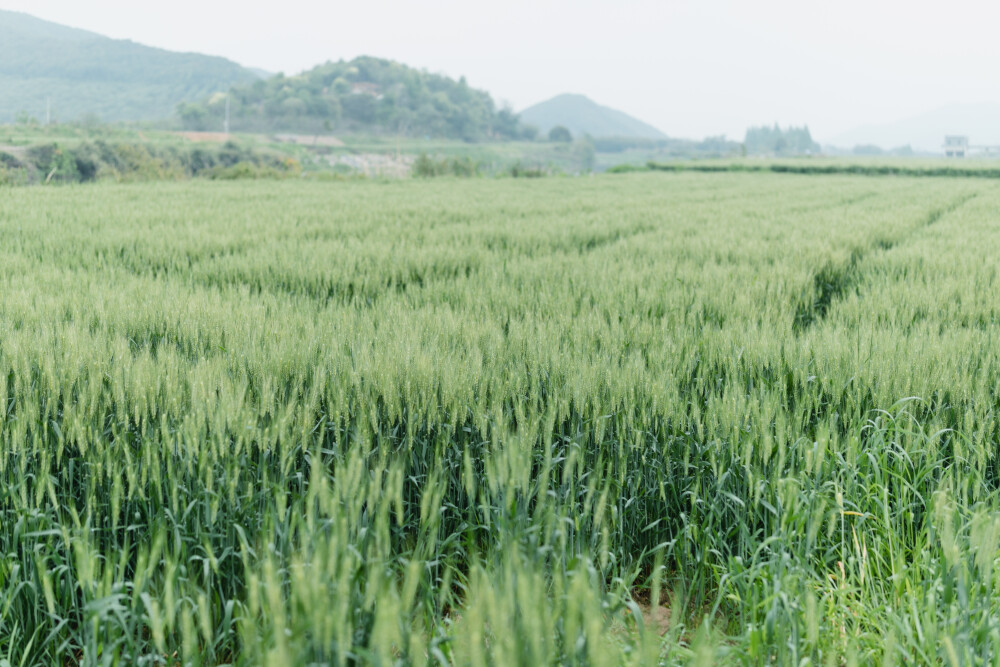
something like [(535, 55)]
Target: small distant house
[(365, 88), (956, 146)]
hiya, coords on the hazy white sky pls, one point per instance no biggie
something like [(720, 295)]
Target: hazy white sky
[(690, 67)]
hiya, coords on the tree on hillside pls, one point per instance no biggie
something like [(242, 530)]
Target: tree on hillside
[(560, 134)]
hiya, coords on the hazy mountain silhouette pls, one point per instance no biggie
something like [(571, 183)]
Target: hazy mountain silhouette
[(79, 73), (581, 115)]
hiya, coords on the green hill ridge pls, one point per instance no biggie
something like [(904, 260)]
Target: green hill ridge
[(365, 95), (581, 115), (78, 73)]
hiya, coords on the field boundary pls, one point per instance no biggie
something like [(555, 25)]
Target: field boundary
[(812, 169), (832, 282)]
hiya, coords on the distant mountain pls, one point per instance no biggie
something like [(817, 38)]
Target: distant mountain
[(78, 73), (365, 95), (926, 132), (581, 115)]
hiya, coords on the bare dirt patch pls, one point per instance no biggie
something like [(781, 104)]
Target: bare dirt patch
[(309, 140), (205, 137), (656, 618), (375, 164)]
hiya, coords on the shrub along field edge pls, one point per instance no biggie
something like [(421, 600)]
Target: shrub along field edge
[(823, 168), (99, 160)]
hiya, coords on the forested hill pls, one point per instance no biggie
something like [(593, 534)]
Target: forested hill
[(76, 73), (364, 95), (581, 115)]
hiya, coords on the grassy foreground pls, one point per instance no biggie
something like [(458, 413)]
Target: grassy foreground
[(709, 418)]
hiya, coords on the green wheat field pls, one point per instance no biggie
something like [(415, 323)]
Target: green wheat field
[(706, 418)]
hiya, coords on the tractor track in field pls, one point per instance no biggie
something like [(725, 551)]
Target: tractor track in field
[(834, 281)]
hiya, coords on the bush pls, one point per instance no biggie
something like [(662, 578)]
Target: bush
[(8, 161), (247, 171), (424, 167), (87, 162), (92, 161), (56, 164), (427, 167), (518, 170), (560, 134)]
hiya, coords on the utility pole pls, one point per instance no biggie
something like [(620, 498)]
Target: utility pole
[(48, 110), (227, 114)]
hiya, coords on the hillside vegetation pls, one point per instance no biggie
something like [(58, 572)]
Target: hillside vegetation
[(582, 116), (364, 95), (81, 74)]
